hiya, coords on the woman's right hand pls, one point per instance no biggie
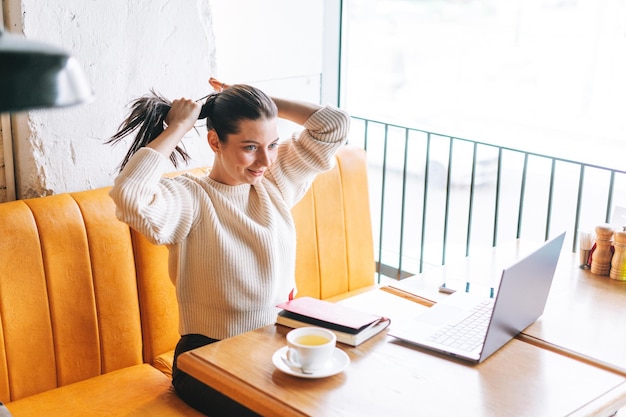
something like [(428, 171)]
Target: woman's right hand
[(181, 117), (183, 113)]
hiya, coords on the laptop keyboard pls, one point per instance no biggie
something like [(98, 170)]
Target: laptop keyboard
[(468, 333)]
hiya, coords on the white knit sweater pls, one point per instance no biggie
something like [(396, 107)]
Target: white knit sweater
[(232, 248)]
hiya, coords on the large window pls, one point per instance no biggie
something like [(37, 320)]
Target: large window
[(546, 77), (542, 75)]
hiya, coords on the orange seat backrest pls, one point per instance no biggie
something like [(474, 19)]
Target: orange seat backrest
[(69, 306)]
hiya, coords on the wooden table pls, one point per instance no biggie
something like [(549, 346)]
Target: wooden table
[(586, 314), (389, 378)]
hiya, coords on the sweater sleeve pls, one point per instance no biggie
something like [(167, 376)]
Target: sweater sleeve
[(311, 152), (160, 208)]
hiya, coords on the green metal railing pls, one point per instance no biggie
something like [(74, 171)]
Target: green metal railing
[(436, 197)]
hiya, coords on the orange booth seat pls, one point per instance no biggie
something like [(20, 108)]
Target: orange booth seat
[(88, 314)]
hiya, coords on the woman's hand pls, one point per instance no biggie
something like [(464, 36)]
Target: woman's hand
[(217, 84), (183, 113), (182, 116)]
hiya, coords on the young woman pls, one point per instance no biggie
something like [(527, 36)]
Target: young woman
[(231, 235)]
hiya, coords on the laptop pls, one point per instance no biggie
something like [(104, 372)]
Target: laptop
[(486, 324)]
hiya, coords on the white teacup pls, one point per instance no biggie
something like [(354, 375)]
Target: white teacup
[(310, 348)]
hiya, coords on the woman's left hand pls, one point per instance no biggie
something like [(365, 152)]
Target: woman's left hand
[(217, 84)]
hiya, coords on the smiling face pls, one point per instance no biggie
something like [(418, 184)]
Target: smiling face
[(244, 156)]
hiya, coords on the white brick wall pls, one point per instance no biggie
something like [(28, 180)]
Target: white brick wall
[(127, 48)]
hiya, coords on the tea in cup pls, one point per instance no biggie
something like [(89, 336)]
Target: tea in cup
[(310, 348)]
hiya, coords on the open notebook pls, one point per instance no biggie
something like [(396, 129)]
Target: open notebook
[(471, 327)]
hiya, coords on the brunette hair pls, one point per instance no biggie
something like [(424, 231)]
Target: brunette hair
[(223, 111)]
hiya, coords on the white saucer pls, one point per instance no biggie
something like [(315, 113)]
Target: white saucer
[(338, 363)]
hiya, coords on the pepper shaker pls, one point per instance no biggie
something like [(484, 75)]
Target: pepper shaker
[(603, 251), (618, 262)]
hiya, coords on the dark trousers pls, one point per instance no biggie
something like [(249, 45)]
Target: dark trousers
[(198, 395)]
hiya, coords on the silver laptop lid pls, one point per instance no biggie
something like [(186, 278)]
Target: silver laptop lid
[(522, 295)]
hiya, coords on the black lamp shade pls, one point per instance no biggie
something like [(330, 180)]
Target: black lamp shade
[(35, 75)]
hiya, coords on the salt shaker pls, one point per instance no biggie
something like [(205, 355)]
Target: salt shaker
[(603, 251), (618, 262)]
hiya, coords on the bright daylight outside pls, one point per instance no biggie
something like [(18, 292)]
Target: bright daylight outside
[(545, 76)]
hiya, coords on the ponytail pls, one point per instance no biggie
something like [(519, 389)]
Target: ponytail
[(223, 111), (147, 115)]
